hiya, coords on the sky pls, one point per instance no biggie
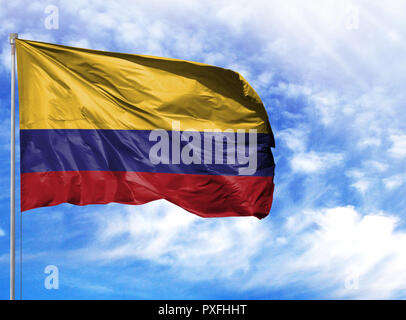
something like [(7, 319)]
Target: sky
[(332, 76)]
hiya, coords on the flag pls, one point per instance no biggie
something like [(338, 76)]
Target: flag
[(99, 127)]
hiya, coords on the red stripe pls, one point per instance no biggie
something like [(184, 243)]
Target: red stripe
[(204, 195)]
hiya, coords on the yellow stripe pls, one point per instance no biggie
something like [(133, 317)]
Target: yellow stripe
[(63, 87)]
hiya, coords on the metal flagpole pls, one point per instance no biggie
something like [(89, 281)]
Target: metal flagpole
[(13, 37)]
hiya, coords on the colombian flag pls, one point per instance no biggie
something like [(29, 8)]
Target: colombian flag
[(99, 127)]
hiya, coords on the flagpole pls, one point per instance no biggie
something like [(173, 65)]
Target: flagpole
[(13, 37)]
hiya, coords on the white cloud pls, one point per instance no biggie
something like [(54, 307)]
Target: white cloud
[(362, 185), (347, 241), (294, 138), (398, 148), (394, 182), (329, 246), (2, 233), (327, 104), (369, 142), (320, 248), (5, 58), (167, 234), (302, 161), (376, 165), (80, 43), (313, 162)]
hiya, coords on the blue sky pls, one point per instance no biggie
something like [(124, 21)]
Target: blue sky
[(331, 75)]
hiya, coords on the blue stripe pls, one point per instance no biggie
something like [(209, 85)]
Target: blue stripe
[(118, 150)]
